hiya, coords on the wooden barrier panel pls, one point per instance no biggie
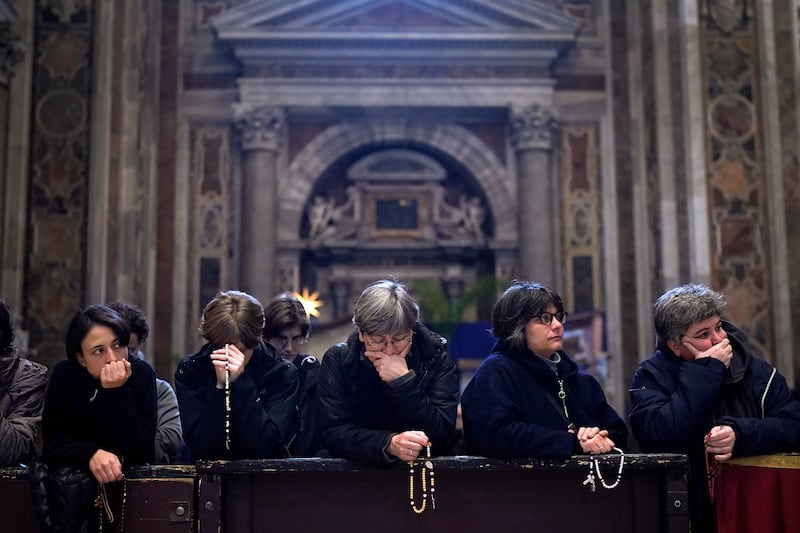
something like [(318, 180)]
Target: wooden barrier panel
[(160, 499), (472, 494)]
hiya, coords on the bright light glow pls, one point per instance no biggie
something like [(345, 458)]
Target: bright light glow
[(311, 302)]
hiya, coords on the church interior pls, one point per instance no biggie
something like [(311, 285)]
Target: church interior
[(160, 151)]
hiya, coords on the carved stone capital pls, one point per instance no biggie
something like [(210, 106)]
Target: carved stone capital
[(260, 127), (532, 127)]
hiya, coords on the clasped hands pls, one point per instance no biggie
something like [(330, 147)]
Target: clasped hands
[(594, 440), (231, 358)]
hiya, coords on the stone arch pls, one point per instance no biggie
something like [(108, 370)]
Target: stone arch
[(451, 139)]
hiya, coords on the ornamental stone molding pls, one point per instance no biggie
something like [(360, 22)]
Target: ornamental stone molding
[(532, 127), (260, 127)]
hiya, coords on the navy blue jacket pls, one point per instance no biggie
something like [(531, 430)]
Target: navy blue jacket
[(674, 403), (511, 407), (359, 413)]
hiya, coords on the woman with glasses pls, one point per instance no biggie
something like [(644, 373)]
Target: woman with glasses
[(390, 391), (237, 396), (528, 398), (286, 328)]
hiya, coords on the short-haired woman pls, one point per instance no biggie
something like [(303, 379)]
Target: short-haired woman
[(237, 396), (390, 391), (286, 328), (100, 407), (528, 398)]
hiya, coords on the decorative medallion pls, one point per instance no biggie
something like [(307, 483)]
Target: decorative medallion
[(731, 117), (61, 113)]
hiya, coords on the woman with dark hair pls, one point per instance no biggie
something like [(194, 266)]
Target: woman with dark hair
[(390, 391), (528, 398), (237, 396), (22, 386), (286, 328), (100, 408)]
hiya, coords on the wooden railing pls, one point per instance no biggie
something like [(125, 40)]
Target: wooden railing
[(472, 494)]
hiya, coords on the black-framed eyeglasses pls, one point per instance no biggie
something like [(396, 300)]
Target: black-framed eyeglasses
[(397, 344), (282, 341), (547, 318)]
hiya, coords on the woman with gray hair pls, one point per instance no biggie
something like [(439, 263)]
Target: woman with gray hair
[(528, 398), (390, 391), (704, 393)]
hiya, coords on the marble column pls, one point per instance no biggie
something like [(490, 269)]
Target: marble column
[(262, 133), (532, 131)]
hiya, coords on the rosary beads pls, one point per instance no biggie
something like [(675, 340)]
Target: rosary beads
[(427, 482), (104, 506), (227, 402), (594, 472)]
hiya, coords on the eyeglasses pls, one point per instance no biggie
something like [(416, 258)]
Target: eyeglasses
[(282, 341), (547, 318), (397, 344)]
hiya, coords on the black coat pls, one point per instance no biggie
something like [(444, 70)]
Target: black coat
[(305, 442), (359, 412), (81, 417), (511, 407), (263, 406)]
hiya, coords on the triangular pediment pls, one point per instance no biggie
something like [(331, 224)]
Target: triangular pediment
[(398, 15), (523, 34)]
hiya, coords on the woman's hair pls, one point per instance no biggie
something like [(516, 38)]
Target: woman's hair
[(521, 302), (6, 329), (89, 317), (677, 309), (385, 308), (283, 312), (134, 317), (233, 317)]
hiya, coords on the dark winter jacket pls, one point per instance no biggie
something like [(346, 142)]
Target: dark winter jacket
[(22, 388), (359, 412), (305, 442), (511, 407), (263, 406), (81, 417), (674, 403)]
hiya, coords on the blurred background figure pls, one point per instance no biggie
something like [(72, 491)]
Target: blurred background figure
[(22, 388), (286, 328), (169, 444)]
